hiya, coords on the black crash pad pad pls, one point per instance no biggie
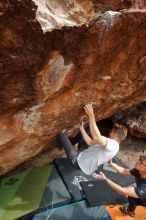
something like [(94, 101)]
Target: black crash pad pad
[(100, 193), (72, 178)]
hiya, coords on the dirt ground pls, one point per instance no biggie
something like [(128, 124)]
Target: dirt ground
[(130, 150)]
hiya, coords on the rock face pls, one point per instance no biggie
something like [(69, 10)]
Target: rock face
[(56, 56)]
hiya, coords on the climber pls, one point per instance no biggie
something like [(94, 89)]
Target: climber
[(97, 149)]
